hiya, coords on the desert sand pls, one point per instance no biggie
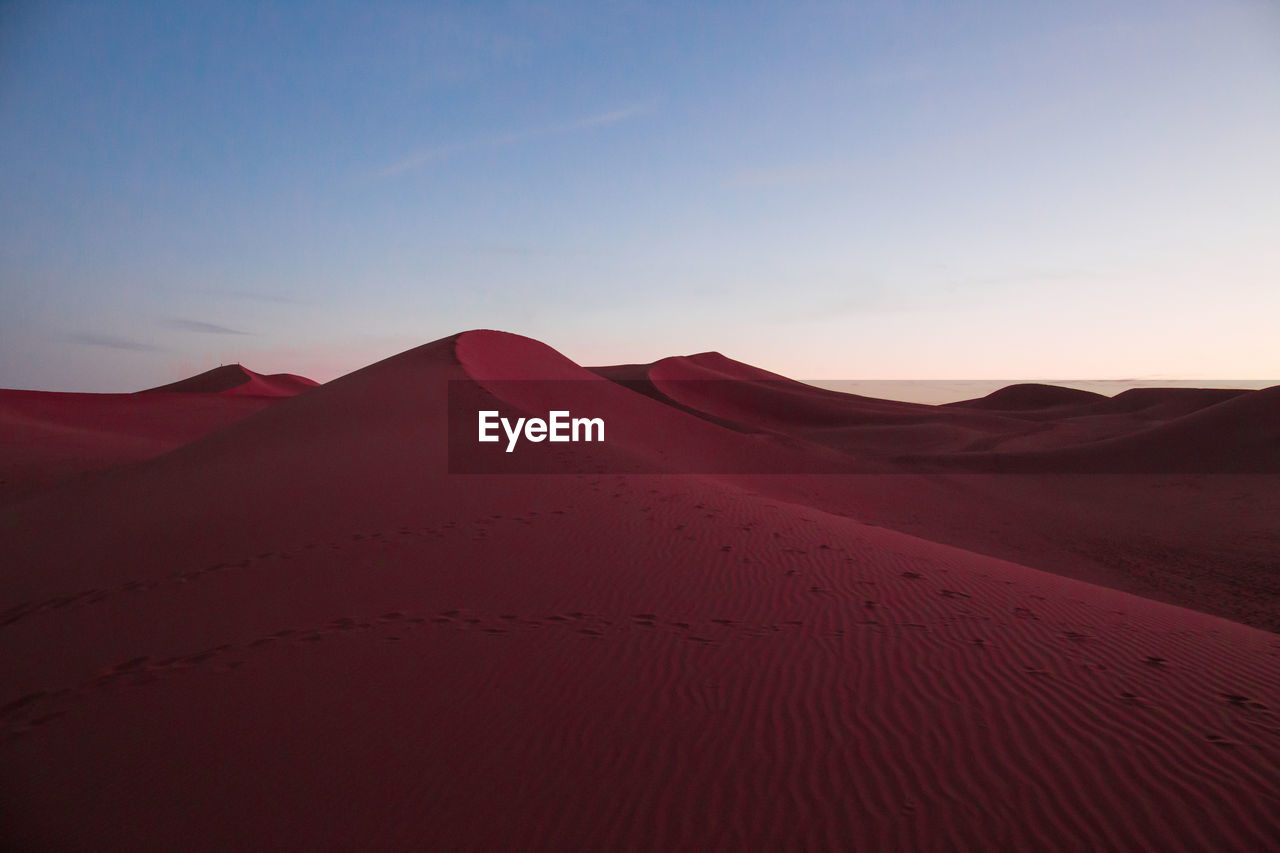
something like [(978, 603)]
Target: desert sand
[(247, 612)]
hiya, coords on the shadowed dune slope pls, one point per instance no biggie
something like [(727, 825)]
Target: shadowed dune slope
[(1239, 435), (300, 632), (1167, 403), (1026, 427), (1145, 405), (752, 400), (1030, 396)]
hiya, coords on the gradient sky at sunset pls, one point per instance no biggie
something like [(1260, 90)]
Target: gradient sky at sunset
[(843, 190)]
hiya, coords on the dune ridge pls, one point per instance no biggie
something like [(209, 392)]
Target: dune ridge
[(239, 380), (1029, 396)]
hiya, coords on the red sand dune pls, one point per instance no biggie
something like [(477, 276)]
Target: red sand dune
[(747, 399), (1206, 541), (298, 631), (1239, 435), (1031, 396), (47, 438), (1164, 403), (236, 379)]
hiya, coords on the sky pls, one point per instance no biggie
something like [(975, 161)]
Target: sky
[(905, 190)]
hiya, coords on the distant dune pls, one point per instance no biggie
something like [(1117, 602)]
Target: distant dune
[(1031, 395), (48, 438), (1235, 433), (235, 379), (1024, 427), (1169, 402), (294, 629)]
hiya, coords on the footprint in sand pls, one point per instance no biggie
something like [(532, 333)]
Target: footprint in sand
[(1236, 700)]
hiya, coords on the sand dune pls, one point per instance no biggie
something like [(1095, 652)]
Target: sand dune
[(237, 379), (1166, 403), (1021, 427), (1238, 435), (1031, 396), (299, 631), (48, 438)]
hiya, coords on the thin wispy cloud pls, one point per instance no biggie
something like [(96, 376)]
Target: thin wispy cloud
[(93, 339), (606, 118), (427, 155), (201, 327)]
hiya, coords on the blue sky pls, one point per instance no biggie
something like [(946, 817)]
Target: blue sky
[(837, 190)]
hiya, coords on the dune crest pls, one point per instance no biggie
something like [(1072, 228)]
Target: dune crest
[(1031, 395), (237, 379)]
